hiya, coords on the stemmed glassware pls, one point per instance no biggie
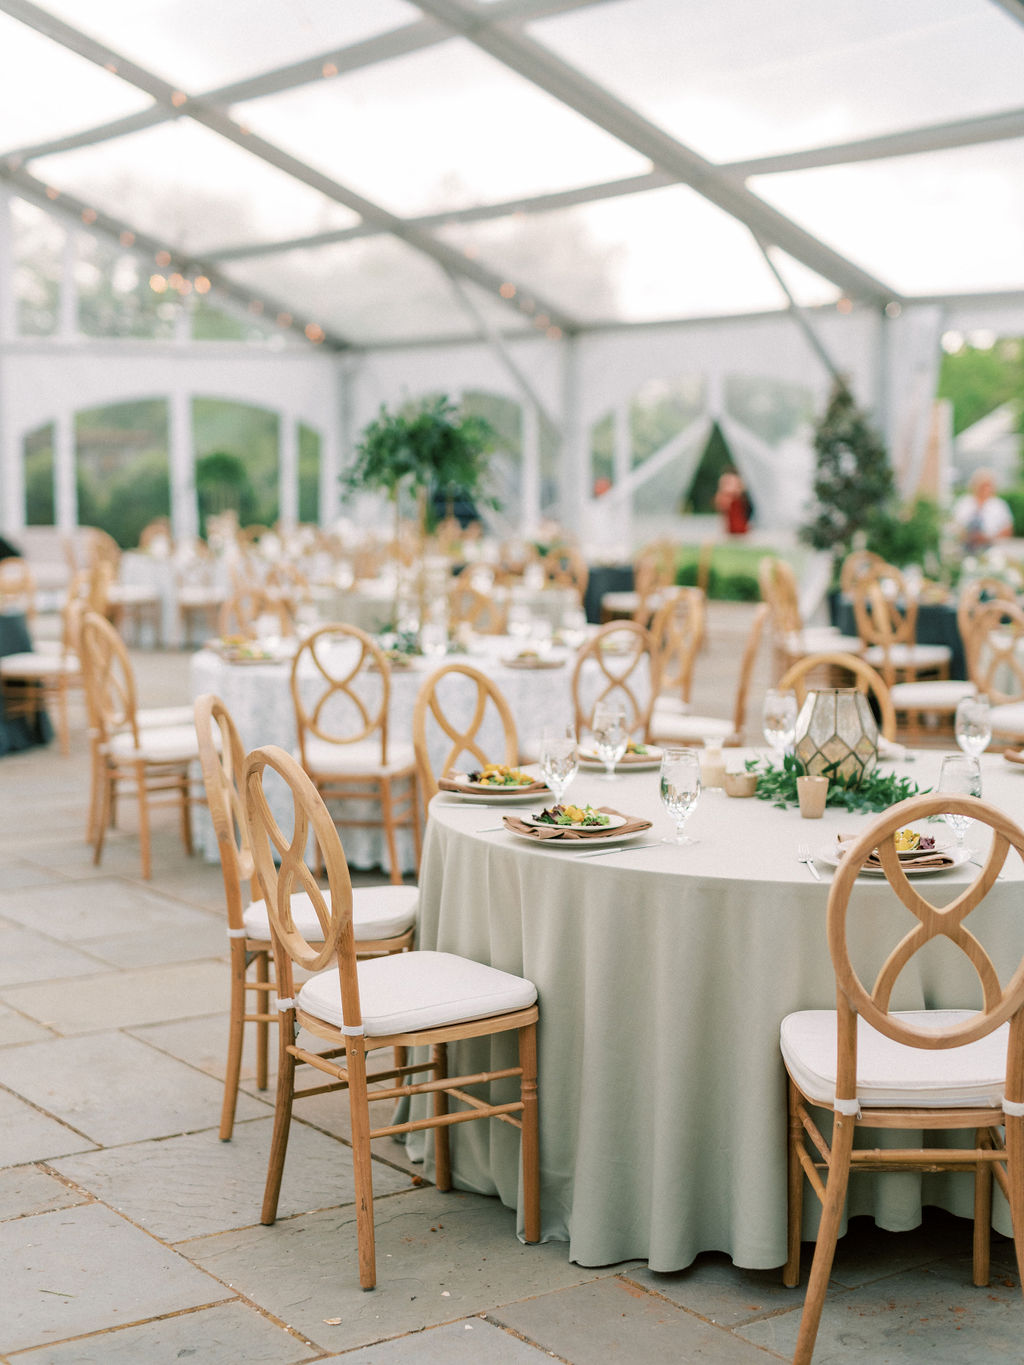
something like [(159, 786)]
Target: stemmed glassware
[(680, 789), (519, 622), (611, 736), (559, 760), (779, 720), (973, 725), (960, 775)]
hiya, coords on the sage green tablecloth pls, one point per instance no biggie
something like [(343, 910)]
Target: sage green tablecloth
[(663, 976)]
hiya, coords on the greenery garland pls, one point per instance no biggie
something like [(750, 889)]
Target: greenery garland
[(875, 792)]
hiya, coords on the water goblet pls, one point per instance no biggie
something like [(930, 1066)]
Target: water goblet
[(610, 734), (779, 720), (574, 627), (973, 725), (519, 622), (540, 635), (960, 775), (680, 789), (559, 760)]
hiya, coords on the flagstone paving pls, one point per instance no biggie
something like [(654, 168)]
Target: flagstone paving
[(129, 1233)]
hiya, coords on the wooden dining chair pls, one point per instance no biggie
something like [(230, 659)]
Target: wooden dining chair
[(654, 571), (673, 723), (39, 679), (618, 664), (430, 711), (917, 675), (241, 612), (973, 596), (797, 678), (791, 639), (677, 628), (17, 587), (470, 605), (406, 1000), (383, 917), (858, 567), (341, 715), (151, 761), (877, 1068)]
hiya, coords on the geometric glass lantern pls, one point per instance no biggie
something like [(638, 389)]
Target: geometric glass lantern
[(836, 735)]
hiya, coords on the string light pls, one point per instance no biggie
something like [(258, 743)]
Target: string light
[(176, 281), (202, 284), (555, 333), (893, 309), (844, 305), (507, 290), (256, 306), (162, 258), (179, 98), (314, 332), (158, 284), (329, 69), (127, 238), (51, 193), (88, 215), (284, 319)]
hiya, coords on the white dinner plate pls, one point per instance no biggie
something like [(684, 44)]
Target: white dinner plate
[(959, 856), (652, 759), (613, 838), (477, 791), (614, 822)]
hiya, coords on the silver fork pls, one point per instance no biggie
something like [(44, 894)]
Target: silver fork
[(803, 853)]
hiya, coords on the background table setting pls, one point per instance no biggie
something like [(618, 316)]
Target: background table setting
[(664, 971)]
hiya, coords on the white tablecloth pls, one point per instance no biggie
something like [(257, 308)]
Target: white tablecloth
[(663, 975), (260, 701), (370, 603)]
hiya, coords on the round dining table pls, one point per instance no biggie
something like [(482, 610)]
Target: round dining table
[(663, 974), (258, 695)]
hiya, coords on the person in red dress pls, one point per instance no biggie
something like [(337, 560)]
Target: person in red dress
[(732, 502)]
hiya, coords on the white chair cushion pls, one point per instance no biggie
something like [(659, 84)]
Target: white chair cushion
[(132, 595), (412, 991), (941, 694), (893, 1074), (167, 744), (822, 640), (1008, 719), (164, 716), (377, 912), (909, 656), (668, 704), (29, 666), (669, 726), (324, 758), (620, 601)]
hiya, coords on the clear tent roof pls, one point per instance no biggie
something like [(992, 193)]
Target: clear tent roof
[(409, 171)]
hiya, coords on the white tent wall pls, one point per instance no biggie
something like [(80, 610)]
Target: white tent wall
[(47, 381)]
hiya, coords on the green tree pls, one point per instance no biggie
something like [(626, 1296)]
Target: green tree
[(977, 380), (853, 483), (141, 492), (222, 481)]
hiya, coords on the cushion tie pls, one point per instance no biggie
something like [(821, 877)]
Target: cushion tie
[(356, 1031), (284, 1004), (1014, 1108), (851, 1108), (236, 933)]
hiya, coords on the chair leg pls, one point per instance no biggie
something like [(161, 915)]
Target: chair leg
[(236, 1031), (828, 1233), (1015, 1180), (388, 821), (186, 814), (282, 1121), (362, 1163), (417, 834), (63, 726), (262, 1027), (145, 848), (530, 1137), (107, 781), (982, 1212), (795, 1192), (442, 1147)]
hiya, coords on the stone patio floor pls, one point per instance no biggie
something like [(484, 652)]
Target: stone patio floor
[(129, 1233)]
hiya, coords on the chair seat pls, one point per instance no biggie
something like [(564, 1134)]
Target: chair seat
[(891, 1074), (625, 601), (675, 725), (412, 991), (377, 912), (324, 759), (29, 666), (822, 640), (908, 656), (157, 744), (197, 595), (1008, 719), (163, 716), (132, 595), (940, 694)]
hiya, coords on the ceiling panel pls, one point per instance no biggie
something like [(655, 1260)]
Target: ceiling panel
[(946, 222), (46, 91), (197, 45), (444, 128), (192, 188), (735, 80)]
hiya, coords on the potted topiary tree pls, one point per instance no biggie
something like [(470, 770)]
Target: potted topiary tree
[(423, 451)]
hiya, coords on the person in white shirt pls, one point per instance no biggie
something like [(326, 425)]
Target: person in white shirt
[(981, 517)]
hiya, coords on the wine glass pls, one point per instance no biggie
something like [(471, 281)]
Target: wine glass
[(519, 622), (680, 788), (574, 627), (960, 776), (973, 725), (779, 719), (559, 760), (610, 733)]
